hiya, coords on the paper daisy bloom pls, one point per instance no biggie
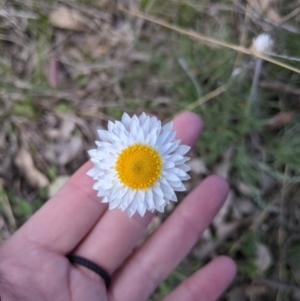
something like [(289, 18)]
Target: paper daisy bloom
[(138, 165)]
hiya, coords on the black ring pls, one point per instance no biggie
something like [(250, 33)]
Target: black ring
[(92, 266)]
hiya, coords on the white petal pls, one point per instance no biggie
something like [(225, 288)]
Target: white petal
[(107, 162), (174, 146), (184, 167), (105, 200), (110, 126), (178, 172), (171, 137), (167, 127), (168, 191), (173, 197), (92, 153), (153, 121), (165, 148), (168, 148), (157, 190), (173, 158), (99, 165), (159, 201), (140, 136), (169, 176), (161, 139), (114, 138), (142, 119), (103, 143), (96, 185), (178, 186), (149, 199), (101, 193), (142, 209), (133, 206), (182, 150), (160, 208), (116, 192), (173, 183), (177, 159), (104, 135), (126, 120), (107, 184), (114, 204), (146, 127), (132, 209), (122, 138), (119, 126), (93, 172), (182, 161), (127, 199), (134, 127), (123, 192), (152, 136), (185, 178), (141, 203), (168, 165)]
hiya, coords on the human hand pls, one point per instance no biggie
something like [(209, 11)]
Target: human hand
[(33, 262)]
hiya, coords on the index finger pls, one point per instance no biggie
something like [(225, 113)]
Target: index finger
[(66, 218)]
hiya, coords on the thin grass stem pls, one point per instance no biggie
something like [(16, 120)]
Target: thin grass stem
[(192, 34)]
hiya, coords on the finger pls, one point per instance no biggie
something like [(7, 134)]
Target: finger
[(65, 219), (163, 251), (207, 284), (116, 233)]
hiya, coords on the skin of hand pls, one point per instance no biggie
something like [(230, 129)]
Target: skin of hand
[(33, 263)]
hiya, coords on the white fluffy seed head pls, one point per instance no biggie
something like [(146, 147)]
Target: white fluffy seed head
[(262, 43)]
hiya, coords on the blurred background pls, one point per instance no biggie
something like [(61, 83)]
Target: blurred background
[(67, 67)]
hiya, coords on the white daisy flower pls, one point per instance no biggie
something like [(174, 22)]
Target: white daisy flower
[(138, 165)]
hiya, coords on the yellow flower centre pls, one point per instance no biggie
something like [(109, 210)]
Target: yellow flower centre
[(139, 166)]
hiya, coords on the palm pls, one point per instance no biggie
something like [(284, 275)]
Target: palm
[(33, 261), (49, 276)]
